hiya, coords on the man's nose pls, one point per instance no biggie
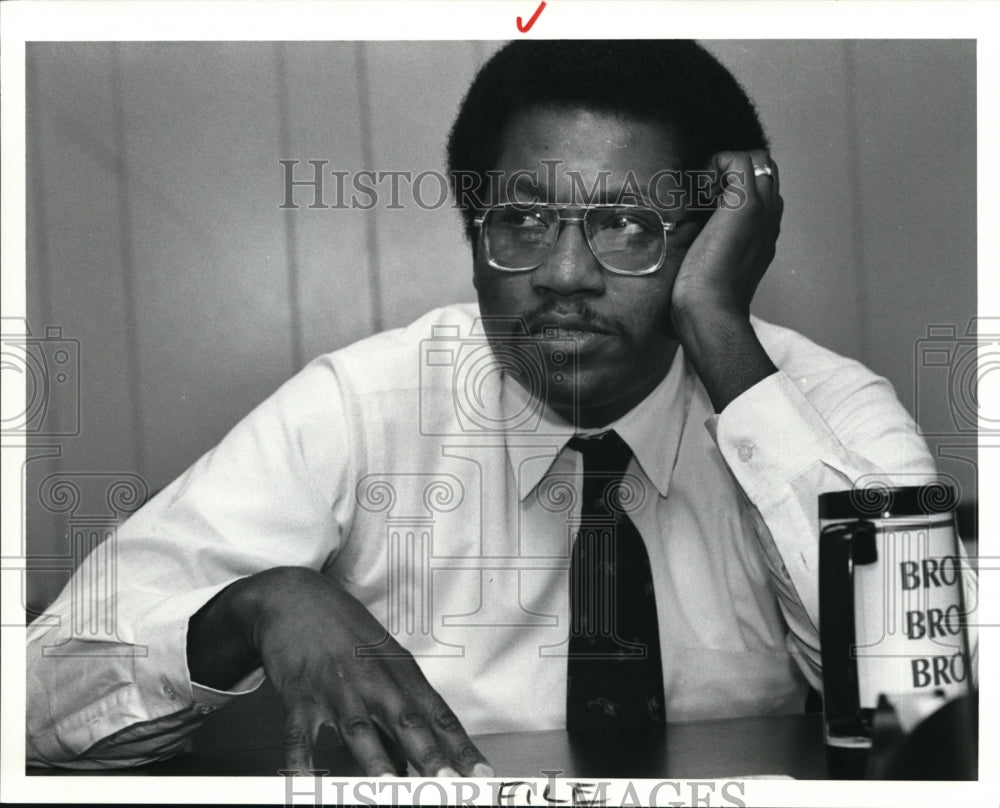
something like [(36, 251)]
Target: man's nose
[(571, 266)]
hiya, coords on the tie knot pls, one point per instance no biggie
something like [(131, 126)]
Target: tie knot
[(606, 452)]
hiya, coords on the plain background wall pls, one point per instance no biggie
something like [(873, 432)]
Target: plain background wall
[(156, 237)]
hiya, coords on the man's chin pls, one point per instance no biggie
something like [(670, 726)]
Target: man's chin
[(596, 394), (583, 399)]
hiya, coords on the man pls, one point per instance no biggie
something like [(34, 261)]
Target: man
[(429, 480)]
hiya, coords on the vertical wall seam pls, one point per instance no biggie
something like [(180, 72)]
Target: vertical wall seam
[(368, 163), (129, 280), (859, 251), (291, 233)]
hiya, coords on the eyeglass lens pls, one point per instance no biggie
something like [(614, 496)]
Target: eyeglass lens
[(625, 239)]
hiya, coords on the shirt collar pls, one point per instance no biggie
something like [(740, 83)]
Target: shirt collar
[(652, 429)]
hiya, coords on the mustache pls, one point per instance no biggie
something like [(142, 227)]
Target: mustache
[(538, 317)]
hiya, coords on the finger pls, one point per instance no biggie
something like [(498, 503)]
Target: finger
[(302, 723), (760, 185), (775, 174), (767, 182), (760, 157), (738, 188), (463, 753), (394, 750), (407, 723), (722, 171), (451, 737), (362, 738)]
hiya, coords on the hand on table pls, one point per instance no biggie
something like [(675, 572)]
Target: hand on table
[(306, 630)]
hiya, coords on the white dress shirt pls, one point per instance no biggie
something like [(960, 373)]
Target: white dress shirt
[(410, 469)]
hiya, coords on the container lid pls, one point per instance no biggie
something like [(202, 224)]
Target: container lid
[(883, 502)]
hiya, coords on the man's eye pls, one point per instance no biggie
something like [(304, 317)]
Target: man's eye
[(526, 220), (627, 225)]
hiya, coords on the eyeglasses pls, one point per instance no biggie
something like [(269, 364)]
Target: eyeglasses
[(625, 239)]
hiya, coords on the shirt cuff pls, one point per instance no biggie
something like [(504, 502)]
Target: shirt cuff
[(770, 435), (205, 696), (162, 675)]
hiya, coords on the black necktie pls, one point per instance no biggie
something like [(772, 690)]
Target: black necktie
[(615, 678)]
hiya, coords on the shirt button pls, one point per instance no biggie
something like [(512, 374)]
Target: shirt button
[(745, 452), (168, 691), (205, 709)]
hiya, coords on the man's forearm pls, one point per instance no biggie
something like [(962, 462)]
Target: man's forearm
[(724, 351), (220, 650)]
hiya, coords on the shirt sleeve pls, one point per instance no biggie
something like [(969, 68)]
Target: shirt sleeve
[(786, 440), (108, 682)]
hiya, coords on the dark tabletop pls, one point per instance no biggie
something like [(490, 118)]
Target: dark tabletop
[(244, 739)]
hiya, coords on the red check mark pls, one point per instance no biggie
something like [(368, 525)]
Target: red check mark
[(524, 28)]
